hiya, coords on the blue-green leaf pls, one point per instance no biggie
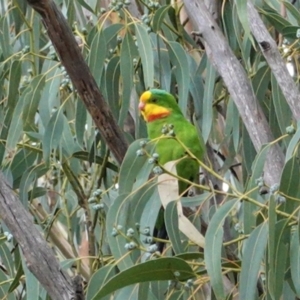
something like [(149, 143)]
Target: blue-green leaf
[(128, 53), (180, 63), (253, 254), (112, 78), (53, 134), (167, 268), (31, 101), (131, 166), (14, 81), (290, 184), (97, 55), (146, 53), (208, 100), (159, 17), (162, 65), (28, 177), (213, 247), (295, 260), (171, 221)]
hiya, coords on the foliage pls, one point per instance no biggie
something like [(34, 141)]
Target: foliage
[(99, 217)]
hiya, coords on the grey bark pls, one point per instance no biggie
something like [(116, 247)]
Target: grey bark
[(39, 258), (213, 7), (270, 51), (238, 85)]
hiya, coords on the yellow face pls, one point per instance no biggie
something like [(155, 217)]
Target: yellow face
[(149, 109)]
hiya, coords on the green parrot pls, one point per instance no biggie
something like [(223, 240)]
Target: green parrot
[(159, 108)]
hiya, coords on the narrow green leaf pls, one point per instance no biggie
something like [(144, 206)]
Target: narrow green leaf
[(86, 6), (14, 81), (112, 78), (126, 211), (159, 17), (293, 143), (22, 160), (4, 287), (168, 268), (146, 53), (15, 128), (131, 166), (261, 82), (6, 259), (197, 91), (180, 62), (256, 173), (208, 98), (213, 247), (16, 281), (253, 254), (34, 288), (53, 134), (290, 32), (4, 131), (144, 291), (191, 256), (282, 232), (283, 112), (151, 209), (67, 142), (28, 177), (80, 121), (127, 292), (249, 152), (31, 101), (241, 6), (293, 10), (238, 30), (162, 65), (128, 54), (50, 99), (111, 32), (118, 218), (171, 221), (271, 243), (97, 55), (5, 43), (196, 200), (232, 127), (295, 260), (274, 18), (18, 13), (290, 184), (99, 279), (228, 24), (37, 192)]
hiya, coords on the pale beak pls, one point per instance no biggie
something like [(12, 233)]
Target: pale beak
[(141, 105)]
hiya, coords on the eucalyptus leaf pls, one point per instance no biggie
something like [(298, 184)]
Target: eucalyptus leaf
[(146, 54), (158, 269)]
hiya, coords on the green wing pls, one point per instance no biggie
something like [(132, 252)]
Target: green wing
[(170, 149)]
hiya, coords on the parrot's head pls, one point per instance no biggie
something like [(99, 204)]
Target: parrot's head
[(157, 104)]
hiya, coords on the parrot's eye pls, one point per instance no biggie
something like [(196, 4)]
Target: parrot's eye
[(154, 100)]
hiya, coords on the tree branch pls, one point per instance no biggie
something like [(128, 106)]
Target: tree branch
[(39, 258), (238, 85), (65, 44), (270, 51)]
